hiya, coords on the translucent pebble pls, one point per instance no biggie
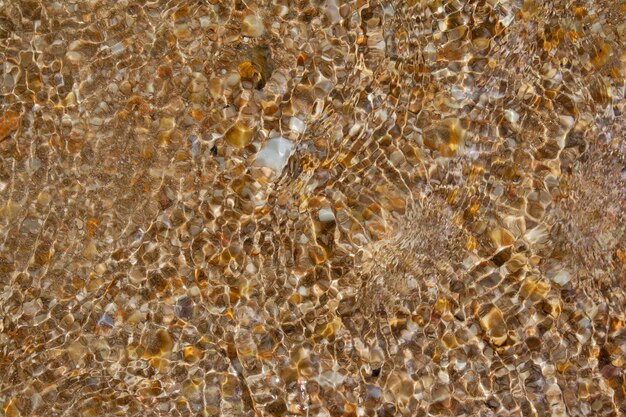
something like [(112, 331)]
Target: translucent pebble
[(296, 125), (252, 26), (239, 135), (332, 11), (74, 56), (562, 278), (118, 48), (275, 154), (511, 115), (326, 215)]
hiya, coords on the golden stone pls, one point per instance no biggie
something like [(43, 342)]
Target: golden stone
[(239, 135), (9, 122), (493, 323), (157, 344)]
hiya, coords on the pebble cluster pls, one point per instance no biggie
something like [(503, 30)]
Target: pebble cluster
[(312, 208)]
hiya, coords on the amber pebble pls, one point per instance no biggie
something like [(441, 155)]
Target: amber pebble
[(250, 72), (8, 123), (239, 135), (534, 289), (192, 354), (501, 237), (328, 330), (10, 409), (449, 341), (493, 323), (533, 343), (289, 374), (257, 68), (277, 408), (164, 71), (10, 210), (317, 254), (181, 13), (600, 91), (301, 59), (157, 343)]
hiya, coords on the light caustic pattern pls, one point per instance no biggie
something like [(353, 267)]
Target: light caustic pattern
[(312, 208)]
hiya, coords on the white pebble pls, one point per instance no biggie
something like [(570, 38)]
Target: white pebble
[(326, 215), (296, 125), (511, 115), (74, 56), (275, 154), (562, 278), (253, 26), (118, 48)]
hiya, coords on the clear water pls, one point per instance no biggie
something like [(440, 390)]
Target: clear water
[(312, 208)]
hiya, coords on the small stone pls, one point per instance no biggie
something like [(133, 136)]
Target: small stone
[(501, 237), (277, 408), (118, 48), (534, 288), (157, 343), (493, 323), (511, 116), (250, 73), (8, 123), (239, 136), (126, 87), (296, 125), (44, 198), (184, 308), (204, 22), (192, 354), (74, 56), (621, 255), (326, 215), (252, 26), (562, 278), (10, 210), (449, 341), (533, 343), (256, 68), (10, 409), (166, 123), (275, 154), (164, 71), (216, 87), (536, 235), (317, 255)]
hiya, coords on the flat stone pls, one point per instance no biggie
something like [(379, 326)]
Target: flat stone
[(275, 154)]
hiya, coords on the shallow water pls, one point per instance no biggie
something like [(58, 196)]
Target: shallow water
[(312, 208)]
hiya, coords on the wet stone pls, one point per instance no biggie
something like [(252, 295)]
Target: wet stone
[(239, 135), (252, 26)]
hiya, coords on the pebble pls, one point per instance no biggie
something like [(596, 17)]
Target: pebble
[(239, 135), (252, 26), (118, 48), (511, 115), (8, 123), (562, 278), (326, 215), (74, 56), (275, 154), (296, 125)]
